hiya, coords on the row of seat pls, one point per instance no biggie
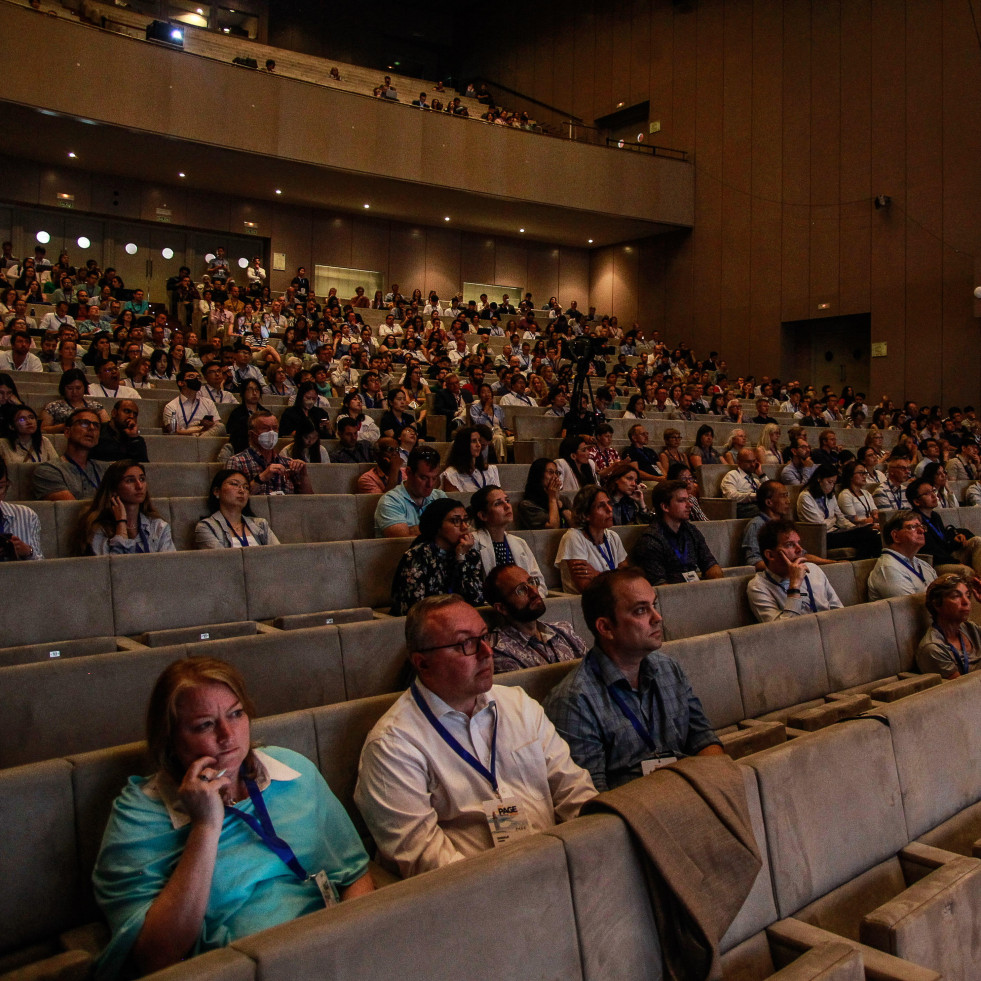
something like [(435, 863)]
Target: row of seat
[(833, 814), (739, 668)]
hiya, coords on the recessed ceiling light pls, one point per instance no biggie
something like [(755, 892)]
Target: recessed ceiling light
[(83, 242), (278, 191), (71, 154), (43, 237), (447, 218), (200, 11), (182, 174), (590, 241), (367, 205), (521, 230)]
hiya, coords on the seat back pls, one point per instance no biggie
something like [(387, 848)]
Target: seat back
[(544, 544), (710, 664), (313, 518), (376, 560), (841, 576), (373, 656), (721, 605), (859, 645), (910, 621)]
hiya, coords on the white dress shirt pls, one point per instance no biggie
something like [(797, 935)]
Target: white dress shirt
[(768, 597), (189, 412), (893, 576), (423, 804), (739, 486)]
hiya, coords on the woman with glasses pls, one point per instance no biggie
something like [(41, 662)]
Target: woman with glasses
[(672, 452), (855, 501), (952, 645), (493, 515), (442, 559), (938, 476), (231, 523), (818, 505)]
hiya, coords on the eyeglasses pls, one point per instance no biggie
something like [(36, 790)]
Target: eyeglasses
[(468, 647), (458, 520), (86, 423), (523, 589)]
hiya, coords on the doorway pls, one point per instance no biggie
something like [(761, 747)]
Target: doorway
[(833, 351)]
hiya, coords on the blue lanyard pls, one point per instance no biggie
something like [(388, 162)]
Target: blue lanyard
[(197, 405), (901, 559), (860, 497), (144, 538), (605, 549), (897, 498), (682, 557), (810, 595), (447, 737), (963, 664), (823, 501), (244, 537), (625, 709), (938, 527), (473, 477), (263, 827), (85, 477)]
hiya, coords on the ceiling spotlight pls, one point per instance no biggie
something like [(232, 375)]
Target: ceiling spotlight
[(182, 174), (83, 242), (131, 248), (882, 201), (71, 154), (43, 237), (167, 253), (447, 218), (521, 230), (278, 191), (590, 241), (200, 11), (367, 205), (243, 263)]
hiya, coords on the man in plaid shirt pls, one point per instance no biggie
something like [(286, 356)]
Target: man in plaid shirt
[(627, 710)]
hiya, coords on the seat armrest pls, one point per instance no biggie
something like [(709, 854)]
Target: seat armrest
[(833, 961), (753, 738), (821, 716), (789, 938), (935, 922), (894, 690), (128, 644), (717, 508), (919, 860), (72, 965)]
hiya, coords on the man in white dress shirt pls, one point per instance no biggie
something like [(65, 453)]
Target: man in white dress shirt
[(19, 357), (190, 414), (789, 586), (108, 387), (459, 765), (898, 572), (890, 495), (740, 485)]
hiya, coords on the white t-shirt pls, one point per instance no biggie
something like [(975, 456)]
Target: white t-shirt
[(576, 544)]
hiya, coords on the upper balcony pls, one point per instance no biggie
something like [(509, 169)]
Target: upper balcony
[(139, 109)]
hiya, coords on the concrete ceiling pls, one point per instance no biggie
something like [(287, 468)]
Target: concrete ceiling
[(154, 158)]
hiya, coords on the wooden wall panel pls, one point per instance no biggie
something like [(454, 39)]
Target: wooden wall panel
[(601, 275), (888, 171), (661, 72), (543, 273), (628, 294), (767, 123), (795, 233), (477, 261), (408, 251), (574, 277), (580, 76), (640, 48), (855, 158), (737, 161), (650, 314), (604, 66), (370, 244), (332, 245), (511, 263), (443, 246), (825, 139)]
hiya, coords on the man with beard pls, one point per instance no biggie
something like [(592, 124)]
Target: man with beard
[(523, 640)]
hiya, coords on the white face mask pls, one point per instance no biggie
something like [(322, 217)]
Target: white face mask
[(268, 440)]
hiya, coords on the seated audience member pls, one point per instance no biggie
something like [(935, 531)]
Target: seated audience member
[(397, 416), (237, 424), (762, 417), (740, 485), (466, 468), (352, 448), (108, 386), (972, 497), (827, 453), (773, 500), (626, 495), (890, 494), (736, 441), (575, 469), (191, 413), (353, 408), (492, 515), (854, 500), (952, 645), (77, 475), (966, 465), (19, 357), (590, 547), (306, 444), (627, 710), (788, 586), (231, 523), (20, 527), (74, 389), (399, 510), (543, 504), (602, 454), (672, 452), (387, 471), (269, 472), (938, 476), (22, 441), (768, 446), (119, 438), (800, 468), (898, 571), (673, 549), (308, 406), (181, 868), (121, 519), (452, 402), (678, 471), (214, 380), (423, 800), (953, 549), (702, 452), (817, 505), (243, 369), (483, 412), (641, 455), (522, 639), (442, 559)]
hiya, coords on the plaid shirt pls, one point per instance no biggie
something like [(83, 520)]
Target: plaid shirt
[(251, 464), (513, 649), (603, 740)]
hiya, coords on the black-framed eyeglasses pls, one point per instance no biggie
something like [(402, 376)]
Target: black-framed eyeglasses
[(468, 647)]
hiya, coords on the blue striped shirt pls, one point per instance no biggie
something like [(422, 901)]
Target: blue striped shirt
[(21, 521)]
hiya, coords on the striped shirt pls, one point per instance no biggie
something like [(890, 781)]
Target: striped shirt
[(21, 521)]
